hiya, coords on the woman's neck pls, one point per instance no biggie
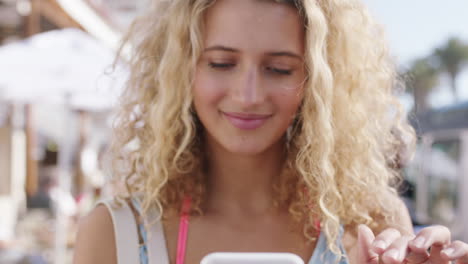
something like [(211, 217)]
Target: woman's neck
[(242, 184)]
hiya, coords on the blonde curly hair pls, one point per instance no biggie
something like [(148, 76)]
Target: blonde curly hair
[(344, 142)]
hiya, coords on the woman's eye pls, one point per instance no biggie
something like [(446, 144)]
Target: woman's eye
[(279, 71), (222, 66)]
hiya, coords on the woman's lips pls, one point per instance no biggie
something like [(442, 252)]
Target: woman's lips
[(246, 121)]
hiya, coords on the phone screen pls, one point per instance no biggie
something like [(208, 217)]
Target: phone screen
[(251, 258)]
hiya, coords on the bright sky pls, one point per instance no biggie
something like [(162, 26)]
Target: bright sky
[(416, 27)]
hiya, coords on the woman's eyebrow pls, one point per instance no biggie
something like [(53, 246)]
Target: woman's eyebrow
[(285, 53), (273, 53), (220, 47)]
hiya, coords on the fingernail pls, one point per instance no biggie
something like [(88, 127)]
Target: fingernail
[(448, 251), (392, 253), (380, 244), (419, 242)]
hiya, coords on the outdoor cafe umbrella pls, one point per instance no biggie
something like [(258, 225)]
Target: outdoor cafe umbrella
[(58, 67), (62, 67)]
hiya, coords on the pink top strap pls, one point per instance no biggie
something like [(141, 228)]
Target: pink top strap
[(317, 224), (183, 231)]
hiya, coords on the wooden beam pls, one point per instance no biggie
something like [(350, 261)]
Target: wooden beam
[(33, 21), (32, 176), (53, 12)]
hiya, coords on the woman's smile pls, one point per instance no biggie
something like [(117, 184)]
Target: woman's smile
[(246, 121)]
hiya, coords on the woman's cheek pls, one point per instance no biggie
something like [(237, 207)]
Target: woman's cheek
[(208, 89), (288, 101)]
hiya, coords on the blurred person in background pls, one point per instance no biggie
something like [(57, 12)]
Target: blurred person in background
[(260, 126)]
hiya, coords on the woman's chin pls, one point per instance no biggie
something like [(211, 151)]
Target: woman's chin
[(247, 148)]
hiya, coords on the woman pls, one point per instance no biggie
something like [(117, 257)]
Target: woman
[(263, 126)]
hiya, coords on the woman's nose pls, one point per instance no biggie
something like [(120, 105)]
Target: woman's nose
[(248, 90)]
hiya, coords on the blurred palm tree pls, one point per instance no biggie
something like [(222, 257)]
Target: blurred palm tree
[(421, 79), (451, 58)]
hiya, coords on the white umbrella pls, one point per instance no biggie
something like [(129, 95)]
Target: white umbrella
[(61, 66), (64, 67)]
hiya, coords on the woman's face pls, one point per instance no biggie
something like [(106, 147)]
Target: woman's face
[(248, 81)]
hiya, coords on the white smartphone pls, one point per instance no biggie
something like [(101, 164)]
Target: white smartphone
[(251, 258)]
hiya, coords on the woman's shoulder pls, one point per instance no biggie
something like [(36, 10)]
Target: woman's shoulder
[(95, 242)]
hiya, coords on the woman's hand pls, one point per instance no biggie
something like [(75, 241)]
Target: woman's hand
[(432, 245)]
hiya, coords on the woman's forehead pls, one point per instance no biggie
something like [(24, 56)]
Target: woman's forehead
[(255, 24)]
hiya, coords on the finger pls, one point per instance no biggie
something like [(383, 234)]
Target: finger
[(430, 237), (456, 251), (435, 254), (417, 258), (385, 239), (365, 239), (397, 251)]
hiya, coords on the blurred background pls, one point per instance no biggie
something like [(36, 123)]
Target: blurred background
[(59, 86)]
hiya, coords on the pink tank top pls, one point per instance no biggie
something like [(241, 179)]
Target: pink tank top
[(183, 230)]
